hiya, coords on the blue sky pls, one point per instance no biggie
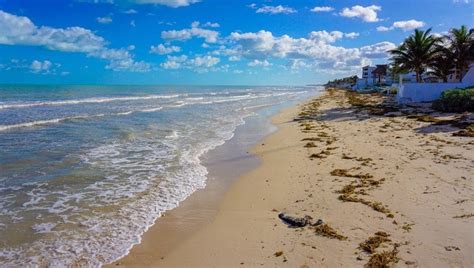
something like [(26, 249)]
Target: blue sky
[(233, 42)]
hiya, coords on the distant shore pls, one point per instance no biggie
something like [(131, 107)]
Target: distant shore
[(391, 186)]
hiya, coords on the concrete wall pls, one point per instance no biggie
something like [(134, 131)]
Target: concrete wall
[(423, 92)]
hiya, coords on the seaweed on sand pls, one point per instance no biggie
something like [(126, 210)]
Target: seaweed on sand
[(310, 145), (312, 139), (468, 131), (327, 231), (373, 242), (322, 154), (383, 259), (464, 216), (345, 173)]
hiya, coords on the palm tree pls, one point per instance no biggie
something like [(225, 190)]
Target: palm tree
[(416, 53), (461, 43), (442, 64)]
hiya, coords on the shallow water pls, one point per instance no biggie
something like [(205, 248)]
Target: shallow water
[(85, 170)]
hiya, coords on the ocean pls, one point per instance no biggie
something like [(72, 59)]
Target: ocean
[(86, 170)]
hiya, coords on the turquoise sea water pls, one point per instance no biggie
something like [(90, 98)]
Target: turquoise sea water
[(85, 170)]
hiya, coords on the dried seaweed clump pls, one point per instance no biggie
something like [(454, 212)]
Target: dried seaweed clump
[(327, 231), (464, 216), (345, 173), (467, 132), (373, 242), (310, 145), (322, 154), (383, 259)]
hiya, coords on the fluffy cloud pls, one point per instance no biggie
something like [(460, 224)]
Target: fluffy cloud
[(377, 51), (162, 49), (104, 20), (316, 50), (367, 14), (408, 24), (38, 66), (322, 9), (262, 63), (405, 25), (276, 10), (331, 37), (198, 64), (19, 30), (130, 11), (169, 3), (209, 36)]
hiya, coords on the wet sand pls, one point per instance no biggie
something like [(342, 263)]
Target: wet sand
[(392, 186)]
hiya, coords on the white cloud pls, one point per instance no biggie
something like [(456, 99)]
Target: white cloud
[(174, 62), (130, 11), (211, 25), (276, 10), (316, 50), (331, 37), (198, 64), (19, 30), (162, 49), (379, 50), (297, 64), (209, 36), (169, 3), (408, 24), (367, 14), (252, 6), (234, 58), (405, 25), (383, 28), (204, 62), (322, 9), (40, 66), (104, 20), (351, 35), (262, 63), (132, 23)]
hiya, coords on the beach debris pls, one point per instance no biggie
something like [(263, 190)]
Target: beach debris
[(451, 248), (298, 222), (278, 253), (466, 132), (373, 242), (407, 226), (313, 139), (310, 145), (322, 154), (464, 216), (345, 173), (327, 231), (384, 259)]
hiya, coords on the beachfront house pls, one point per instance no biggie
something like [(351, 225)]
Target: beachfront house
[(425, 92), (373, 76)]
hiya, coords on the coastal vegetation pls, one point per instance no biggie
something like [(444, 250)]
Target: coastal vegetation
[(456, 100), (437, 55)]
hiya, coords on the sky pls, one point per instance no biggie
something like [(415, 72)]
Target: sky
[(208, 42)]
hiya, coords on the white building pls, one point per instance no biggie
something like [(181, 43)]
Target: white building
[(373, 75), (424, 92)]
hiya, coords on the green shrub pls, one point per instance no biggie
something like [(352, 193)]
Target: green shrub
[(456, 100)]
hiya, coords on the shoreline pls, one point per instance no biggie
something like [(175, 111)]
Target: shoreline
[(199, 209), (404, 171)]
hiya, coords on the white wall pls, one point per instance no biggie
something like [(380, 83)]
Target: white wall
[(422, 92)]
